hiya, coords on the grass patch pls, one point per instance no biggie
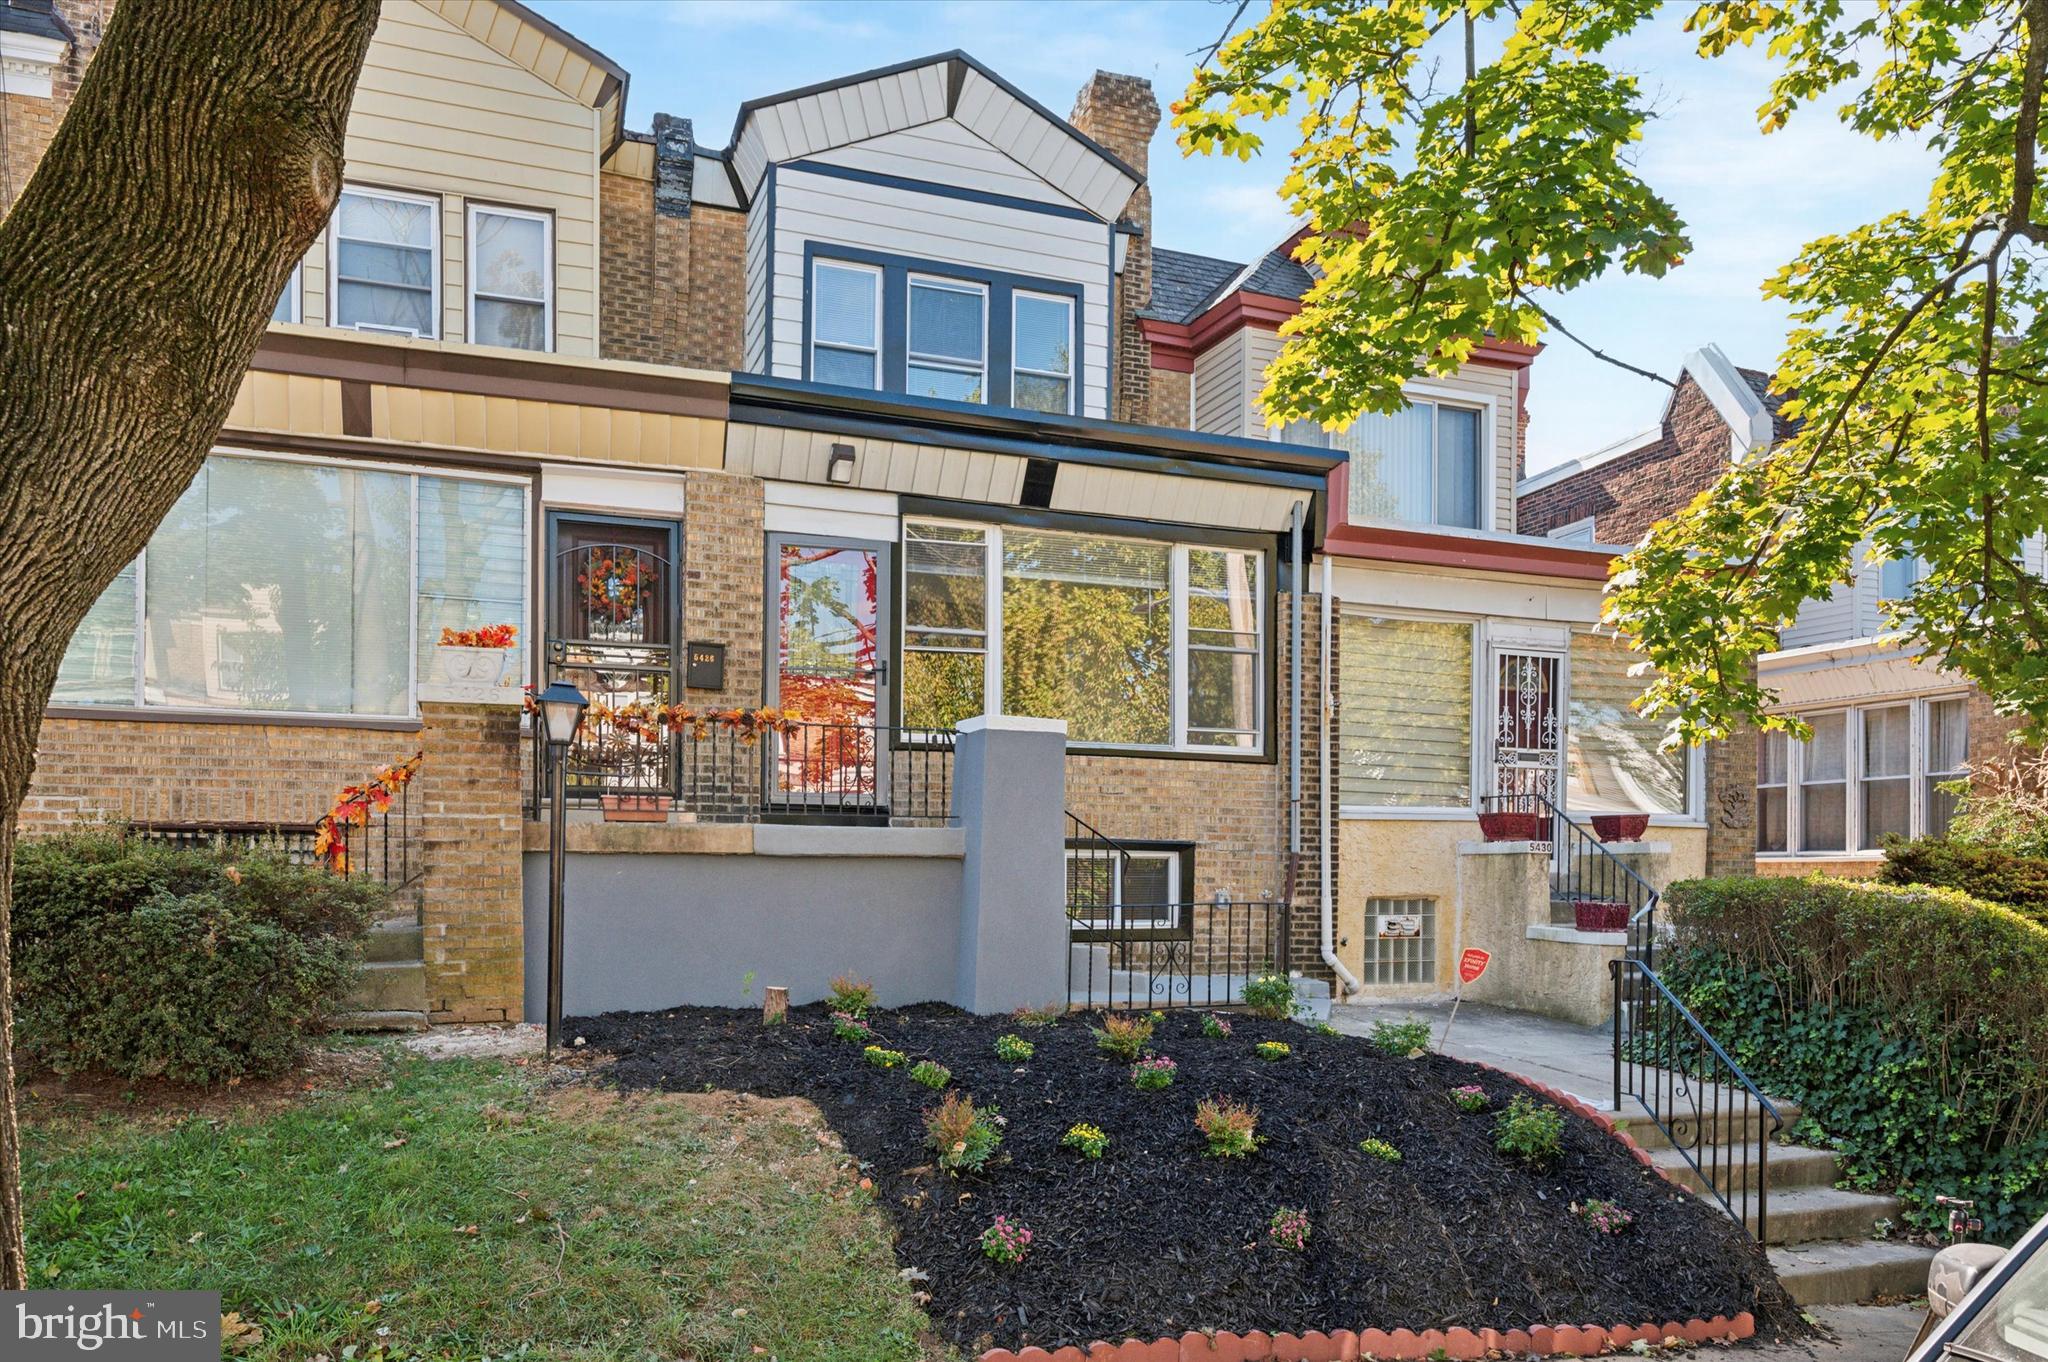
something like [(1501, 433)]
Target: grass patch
[(452, 1209)]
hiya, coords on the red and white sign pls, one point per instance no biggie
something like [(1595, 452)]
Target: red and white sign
[(1472, 964)]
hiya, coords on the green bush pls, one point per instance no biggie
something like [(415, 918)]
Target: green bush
[(1907, 1023), (1530, 1131), (1400, 1039), (187, 963), (1983, 872), (1270, 996)]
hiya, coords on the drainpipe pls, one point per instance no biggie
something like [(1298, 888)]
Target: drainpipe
[(1294, 523), (1348, 983)]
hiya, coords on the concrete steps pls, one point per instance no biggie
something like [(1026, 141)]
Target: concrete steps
[(1846, 1271), (1806, 1215), (391, 995), (1791, 1167)]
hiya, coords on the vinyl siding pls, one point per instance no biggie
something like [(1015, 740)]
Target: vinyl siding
[(440, 112), (756, 328), (1220, 387), (831, 211), (945, 153)]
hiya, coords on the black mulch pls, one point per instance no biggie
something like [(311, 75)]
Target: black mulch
[(1156, 1238)]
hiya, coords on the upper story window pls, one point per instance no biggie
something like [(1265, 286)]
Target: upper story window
[(1424, 465), (511, 278), (1896, 577), (385, 259), (286, 309), (1043, 349), (932, 330), (948, 345), (846, 325)]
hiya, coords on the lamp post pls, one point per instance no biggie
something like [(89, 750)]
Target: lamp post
[(561, 712)]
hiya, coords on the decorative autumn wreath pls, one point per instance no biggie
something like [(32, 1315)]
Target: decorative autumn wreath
[(612, 586)]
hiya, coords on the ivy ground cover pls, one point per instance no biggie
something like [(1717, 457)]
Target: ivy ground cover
[(1161, 1231)]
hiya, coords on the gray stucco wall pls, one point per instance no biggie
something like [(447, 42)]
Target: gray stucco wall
[(654, 931)]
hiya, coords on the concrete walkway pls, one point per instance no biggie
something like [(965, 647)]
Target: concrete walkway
[(1579, 1060)]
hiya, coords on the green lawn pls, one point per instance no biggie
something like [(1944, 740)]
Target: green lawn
[(452, 1209)]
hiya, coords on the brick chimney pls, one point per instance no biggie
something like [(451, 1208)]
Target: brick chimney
[(1121, 113)]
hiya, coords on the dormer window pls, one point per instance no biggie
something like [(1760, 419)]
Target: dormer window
[(846, 324), (948, 345), (1044, 353), (385, 261)]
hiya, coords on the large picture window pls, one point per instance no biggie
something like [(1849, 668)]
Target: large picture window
[(1423, 465), (290, 587), (1615, 762), (1864, 775), (1133, 642), (1404, 713), (385, 260)]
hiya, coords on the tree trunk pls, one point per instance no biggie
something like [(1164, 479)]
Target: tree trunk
[(201, 156)]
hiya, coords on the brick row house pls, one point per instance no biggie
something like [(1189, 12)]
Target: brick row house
[(1889, 727), (888, 415)]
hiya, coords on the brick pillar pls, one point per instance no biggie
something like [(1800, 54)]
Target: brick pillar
[(1121, 113), (470, 907), (1731, 803)]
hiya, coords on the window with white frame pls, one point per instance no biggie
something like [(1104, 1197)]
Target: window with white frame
[(286, 308), (511, 278), (1773, 799), (1824, 784), (846, 324), (1042, 350), (947, 348), (1865, 774), (1404, 713), (1422, 465), (1896, 577), (1885, 777), (1133, 642), (1945, 759), (290, 586), (1137, 887), (385, 259)]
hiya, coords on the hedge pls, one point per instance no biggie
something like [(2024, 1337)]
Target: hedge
[(187, 963), (1985, 872), (1910, 1024)]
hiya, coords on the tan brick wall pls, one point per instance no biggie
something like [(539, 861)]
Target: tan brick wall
[(1121, 113), (1731, 803), (471, 907), (673, 288), (1169, 400), (723, 570), (31, 123), (149, 770)]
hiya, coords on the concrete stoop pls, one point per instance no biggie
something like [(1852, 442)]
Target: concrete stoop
[(391, 995)]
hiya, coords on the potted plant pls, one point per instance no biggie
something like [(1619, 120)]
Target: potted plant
[(1503, 825), (476, 657), (1620, 827), (1600, 915)]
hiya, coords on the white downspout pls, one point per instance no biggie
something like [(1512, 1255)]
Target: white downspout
[(1347, 981)]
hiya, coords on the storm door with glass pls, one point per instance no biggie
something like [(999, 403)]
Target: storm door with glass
[(828, 677)]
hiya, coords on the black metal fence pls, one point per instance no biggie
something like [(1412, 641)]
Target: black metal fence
[(1708, 1108), (732, 767), (1131, 951)]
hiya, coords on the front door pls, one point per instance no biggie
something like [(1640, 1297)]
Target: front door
[(614, 601), (1528, 700), (828, 636)]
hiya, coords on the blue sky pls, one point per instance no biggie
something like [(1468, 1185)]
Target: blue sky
[(1750, 200)]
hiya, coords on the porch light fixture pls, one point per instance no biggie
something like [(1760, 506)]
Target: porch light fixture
[(839, 468), (561, 713)]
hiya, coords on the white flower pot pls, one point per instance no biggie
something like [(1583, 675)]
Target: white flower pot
[(472, 666)]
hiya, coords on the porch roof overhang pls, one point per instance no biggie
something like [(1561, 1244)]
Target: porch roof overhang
[(787, 402)]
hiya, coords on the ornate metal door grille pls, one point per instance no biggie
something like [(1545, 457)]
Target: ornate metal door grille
[(1528, 727)]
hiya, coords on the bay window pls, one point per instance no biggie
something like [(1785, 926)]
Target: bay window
[(1886, 779), (1405, 713), (1133, 642), (1422, 465), (846, 325), (294, 587), (511, 278), (1615, 761), (948, 344), (385, 260)]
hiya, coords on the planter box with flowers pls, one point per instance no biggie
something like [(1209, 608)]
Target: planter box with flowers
[(1620, 827), (1505, 826), (475, 667), (1600, 915)]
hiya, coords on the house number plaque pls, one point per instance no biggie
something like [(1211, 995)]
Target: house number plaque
[(704, 666)]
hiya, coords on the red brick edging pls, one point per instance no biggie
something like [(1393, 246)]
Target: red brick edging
[(1400, 1345)]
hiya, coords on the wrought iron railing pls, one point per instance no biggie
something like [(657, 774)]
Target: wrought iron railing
[(1708, 1108), (386, 849), (1144, 955), (734, 767), (1585, 873)]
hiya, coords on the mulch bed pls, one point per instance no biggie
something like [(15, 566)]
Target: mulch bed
[(1156, 1238)]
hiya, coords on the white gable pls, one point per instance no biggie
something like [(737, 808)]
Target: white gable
[(945, 152)]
